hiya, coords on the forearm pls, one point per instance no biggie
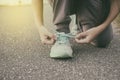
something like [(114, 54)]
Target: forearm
[(114, 11), (38, 12)]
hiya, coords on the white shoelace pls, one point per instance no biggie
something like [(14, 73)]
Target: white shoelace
[(63, 38)]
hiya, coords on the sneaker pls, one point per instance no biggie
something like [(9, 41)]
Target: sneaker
[(62, 47), (74, 30)]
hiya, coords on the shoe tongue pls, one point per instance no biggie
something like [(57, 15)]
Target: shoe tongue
[(62, 38)]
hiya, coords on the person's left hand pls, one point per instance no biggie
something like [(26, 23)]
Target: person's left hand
[(87, 36)]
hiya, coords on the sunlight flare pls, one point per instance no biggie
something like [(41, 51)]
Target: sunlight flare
[(14, 2)]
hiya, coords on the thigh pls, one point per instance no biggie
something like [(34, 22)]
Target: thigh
[(105, 37), (69, 6), (93, 11)]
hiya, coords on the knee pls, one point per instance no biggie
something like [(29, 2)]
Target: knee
[(104, 39), (102, 44)]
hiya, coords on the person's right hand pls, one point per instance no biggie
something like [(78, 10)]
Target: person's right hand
[(46, 36)]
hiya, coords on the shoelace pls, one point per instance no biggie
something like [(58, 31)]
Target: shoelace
[(63, 38)]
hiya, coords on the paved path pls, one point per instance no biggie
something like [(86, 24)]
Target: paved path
[(23, 57)]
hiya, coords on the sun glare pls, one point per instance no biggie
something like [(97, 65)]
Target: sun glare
[(14, 2), (14, 16)]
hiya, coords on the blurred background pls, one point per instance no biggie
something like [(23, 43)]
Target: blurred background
[(14, 2), (17, 2)]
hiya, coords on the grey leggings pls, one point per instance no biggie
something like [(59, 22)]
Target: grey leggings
[(89, 14)]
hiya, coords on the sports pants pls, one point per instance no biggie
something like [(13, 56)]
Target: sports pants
[(89, 14)]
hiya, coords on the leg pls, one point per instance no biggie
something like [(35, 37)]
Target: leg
[(61, 12), (105, 37), (92, 14)]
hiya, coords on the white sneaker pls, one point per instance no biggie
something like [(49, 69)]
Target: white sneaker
[(62, 47)]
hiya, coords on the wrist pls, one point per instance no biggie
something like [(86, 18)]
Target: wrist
[(101, 28), (98, 30), (40, 28)]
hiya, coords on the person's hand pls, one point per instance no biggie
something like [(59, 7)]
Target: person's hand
[(87, 36), (46, 36)]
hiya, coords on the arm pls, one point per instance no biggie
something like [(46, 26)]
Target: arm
[(38, 11), (114, 11), (90, 34), (45, 35)]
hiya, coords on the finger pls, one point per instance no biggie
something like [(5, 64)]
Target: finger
[(80, 41), (52, 41), (43, 42), (50, 35), (80, 35), (54, 37), (49, 41), (83, 41)]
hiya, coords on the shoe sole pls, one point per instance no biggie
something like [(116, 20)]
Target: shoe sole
[(62, 57)]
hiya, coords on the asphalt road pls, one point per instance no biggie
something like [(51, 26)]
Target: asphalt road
[(23, 57)]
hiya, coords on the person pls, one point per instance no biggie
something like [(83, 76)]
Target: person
[(93, 17)]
